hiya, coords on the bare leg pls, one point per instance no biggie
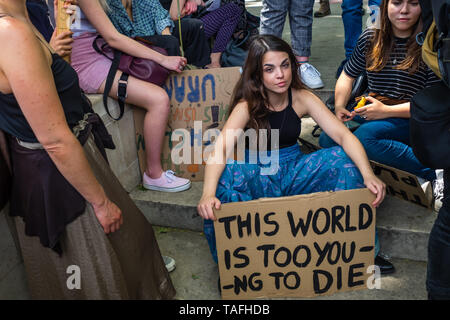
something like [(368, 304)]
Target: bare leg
[(155, 101)]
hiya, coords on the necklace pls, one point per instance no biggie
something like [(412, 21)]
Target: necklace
[(284, 111), (275, 108)]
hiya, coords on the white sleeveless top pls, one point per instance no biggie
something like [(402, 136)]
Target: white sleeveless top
[(81, 24)]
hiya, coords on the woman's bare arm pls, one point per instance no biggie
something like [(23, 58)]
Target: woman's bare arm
[(98, 18), (337, 131), (25, 66), (216, 162)]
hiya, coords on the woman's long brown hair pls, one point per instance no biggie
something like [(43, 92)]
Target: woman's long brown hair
[(382, 44), (250, 87)]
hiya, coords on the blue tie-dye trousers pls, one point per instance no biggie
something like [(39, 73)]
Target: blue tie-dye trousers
[(324, 170)]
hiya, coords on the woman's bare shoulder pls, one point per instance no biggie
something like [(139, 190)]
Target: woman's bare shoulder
[(11, 27), (241, 106), (302, 99), (240, 115), (302, 94), (15, 35)]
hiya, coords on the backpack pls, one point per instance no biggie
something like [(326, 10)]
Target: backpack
[(430, 108), (436, 42), (430, 126), (236, 52)]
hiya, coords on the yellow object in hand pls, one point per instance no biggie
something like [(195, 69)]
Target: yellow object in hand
[(361, 103)]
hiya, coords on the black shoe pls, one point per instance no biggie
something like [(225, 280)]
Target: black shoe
[(385, 266), (324, 9)]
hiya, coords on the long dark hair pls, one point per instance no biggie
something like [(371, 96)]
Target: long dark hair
[(382, 44), (250, 87)]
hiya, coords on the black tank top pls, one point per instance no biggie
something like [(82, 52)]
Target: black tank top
[(288, 122), (12, 119)]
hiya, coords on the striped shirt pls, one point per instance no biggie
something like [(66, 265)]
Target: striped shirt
[(389, 82)]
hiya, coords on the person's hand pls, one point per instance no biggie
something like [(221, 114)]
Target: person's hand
[(109, 215), (190, 7), (376, 110), (206, 205), (174, 63), (343, 114), (62, 43), (377, 187)]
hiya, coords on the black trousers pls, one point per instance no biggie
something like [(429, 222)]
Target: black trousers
[(196, 47), (438, 270)]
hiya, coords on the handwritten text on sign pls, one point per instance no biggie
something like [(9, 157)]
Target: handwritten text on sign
[(199, 97), (298, 246), (401, 184)]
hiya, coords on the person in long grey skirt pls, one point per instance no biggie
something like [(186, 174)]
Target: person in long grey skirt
[(73, 218)]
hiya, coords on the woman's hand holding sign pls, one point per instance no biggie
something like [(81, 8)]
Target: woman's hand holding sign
[(377, 187), (206, 205)]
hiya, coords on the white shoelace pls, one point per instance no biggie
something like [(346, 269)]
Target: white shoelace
[(438, 189), (310, 68), (170, 175)]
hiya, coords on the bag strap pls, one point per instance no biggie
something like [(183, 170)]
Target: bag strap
[(240, 42), (123, 82), (122, 92), (97, 49)]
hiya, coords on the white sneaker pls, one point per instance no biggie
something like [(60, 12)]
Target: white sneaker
[(170, 263), (434, 190), (438, 193), (168, 182), (310, 76)]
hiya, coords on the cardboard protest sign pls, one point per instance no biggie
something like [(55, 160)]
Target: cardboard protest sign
[(62, 22), (298, 246), (401, 184), (62, 18), (199, 102)]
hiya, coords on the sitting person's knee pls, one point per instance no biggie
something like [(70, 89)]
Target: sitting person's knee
[(191, 24), (163, 100), (156, 98), (367, 133)]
